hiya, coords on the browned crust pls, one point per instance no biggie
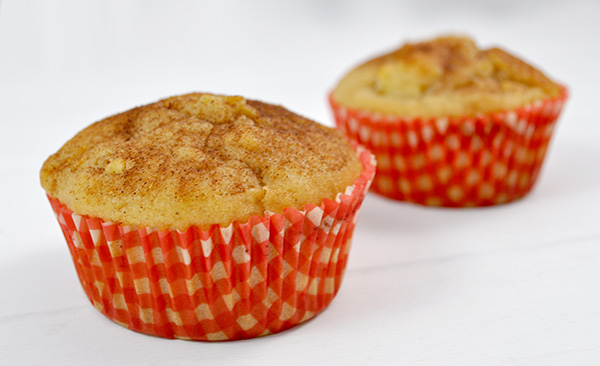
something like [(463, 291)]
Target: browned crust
[(199, 159), (444, 76)]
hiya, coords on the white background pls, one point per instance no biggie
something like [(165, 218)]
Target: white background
[(517, 284)]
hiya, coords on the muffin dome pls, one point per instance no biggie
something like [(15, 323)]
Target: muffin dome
[(199, 159), (447, 76)]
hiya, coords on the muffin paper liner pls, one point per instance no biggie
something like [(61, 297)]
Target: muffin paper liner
[(240, 281), (463, 161)]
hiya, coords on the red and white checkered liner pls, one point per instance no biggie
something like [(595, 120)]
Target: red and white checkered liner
[(477, 160), (240, 281)]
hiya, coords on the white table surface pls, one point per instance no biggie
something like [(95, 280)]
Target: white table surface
[(517, 284)]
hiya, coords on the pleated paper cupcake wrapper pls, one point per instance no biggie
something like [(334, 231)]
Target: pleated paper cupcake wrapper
[(240, 281), (458, 161)]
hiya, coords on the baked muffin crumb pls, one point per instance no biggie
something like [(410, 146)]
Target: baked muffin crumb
[(447, 76), (199, 159)]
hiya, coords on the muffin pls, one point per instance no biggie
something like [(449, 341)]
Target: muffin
[(450, 124), (207, 217)]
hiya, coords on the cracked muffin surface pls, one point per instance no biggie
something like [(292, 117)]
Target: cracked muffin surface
[(447, 76), (199, 159)]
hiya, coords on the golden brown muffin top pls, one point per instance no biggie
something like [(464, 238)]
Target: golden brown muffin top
[(199, 159), (447, 76)]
